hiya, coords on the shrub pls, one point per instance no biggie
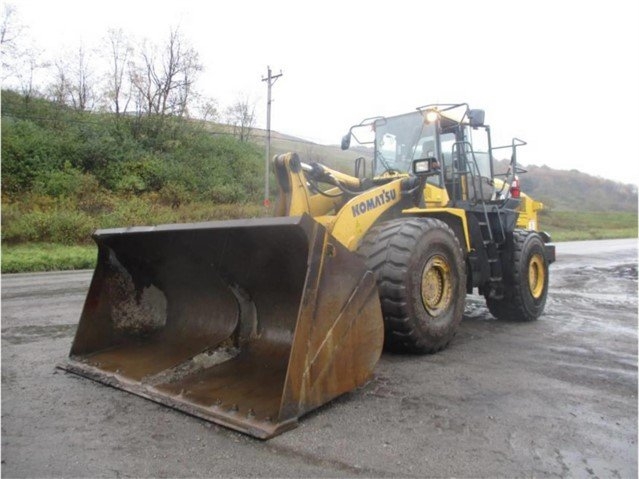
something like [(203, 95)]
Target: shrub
[(57, 226), (174, 194), (229, 193), (64, 183), (27, 152)]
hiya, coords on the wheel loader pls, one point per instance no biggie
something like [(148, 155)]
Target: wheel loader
[(252, 323)]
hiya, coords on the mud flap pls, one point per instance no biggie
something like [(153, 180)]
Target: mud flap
[(245, 323)]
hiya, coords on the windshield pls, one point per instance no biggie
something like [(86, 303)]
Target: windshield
[(401, 139)]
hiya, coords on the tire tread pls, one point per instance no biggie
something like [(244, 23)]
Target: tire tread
[(387, 249), (511, 307)]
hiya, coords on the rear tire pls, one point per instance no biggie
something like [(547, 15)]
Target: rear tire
[(525, 281), (421, 277)]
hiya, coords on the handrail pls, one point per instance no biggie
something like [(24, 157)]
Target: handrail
[(513, 168), (475, 175)]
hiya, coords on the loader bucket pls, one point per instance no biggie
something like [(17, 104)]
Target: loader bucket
[(245, 323)]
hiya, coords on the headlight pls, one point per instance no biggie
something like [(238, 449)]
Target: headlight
[(432, 116)]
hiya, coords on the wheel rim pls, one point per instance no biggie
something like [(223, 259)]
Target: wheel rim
[(536, 276), (436, 285)]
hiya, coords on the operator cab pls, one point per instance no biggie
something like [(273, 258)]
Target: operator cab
[(451, 143), (457, 149)]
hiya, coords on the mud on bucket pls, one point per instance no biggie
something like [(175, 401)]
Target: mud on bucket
[(246, 323)]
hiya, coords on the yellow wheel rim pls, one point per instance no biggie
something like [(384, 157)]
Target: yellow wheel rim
[(536, 276), (437, 285)]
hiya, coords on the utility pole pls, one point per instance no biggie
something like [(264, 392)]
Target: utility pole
[(270, 79)]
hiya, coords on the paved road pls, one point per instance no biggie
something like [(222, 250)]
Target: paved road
[(556, 397)]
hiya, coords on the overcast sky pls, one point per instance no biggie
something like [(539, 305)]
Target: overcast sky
[(562, 75)]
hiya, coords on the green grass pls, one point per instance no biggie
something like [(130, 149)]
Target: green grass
[(584, 225), (38, 237), (33, 257), (42, 219)]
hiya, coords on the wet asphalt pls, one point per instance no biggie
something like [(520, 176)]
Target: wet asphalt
[(552, 398)]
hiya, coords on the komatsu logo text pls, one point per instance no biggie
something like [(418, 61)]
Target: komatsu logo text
[(374, 202)]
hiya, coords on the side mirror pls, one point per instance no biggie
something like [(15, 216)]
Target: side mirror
[(476, 118), (346, 141)]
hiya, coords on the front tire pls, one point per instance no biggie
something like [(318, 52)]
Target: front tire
[(525, 281), (421, 276)]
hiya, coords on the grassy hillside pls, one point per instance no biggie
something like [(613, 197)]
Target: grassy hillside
[(572, 190), (50, 150), (308, 151), (66, 173)]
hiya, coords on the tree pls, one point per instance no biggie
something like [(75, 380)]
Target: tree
[(74, 82), (82, 92), (206, 108), (59, 89), (120, 51), (26, 72), (158, 79), (241, 116), (10, 30), (21, 60), (164, 76)]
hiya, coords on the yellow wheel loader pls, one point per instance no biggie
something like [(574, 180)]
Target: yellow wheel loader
[(252, 323)]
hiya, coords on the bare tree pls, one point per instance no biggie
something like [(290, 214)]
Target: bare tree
[(60, 88), (203, 107), (23, 74), (82, 93), (164, 77), (73, 85), (120, 51), (21, 60), (140, 78), (241, 116), (10, 30)]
